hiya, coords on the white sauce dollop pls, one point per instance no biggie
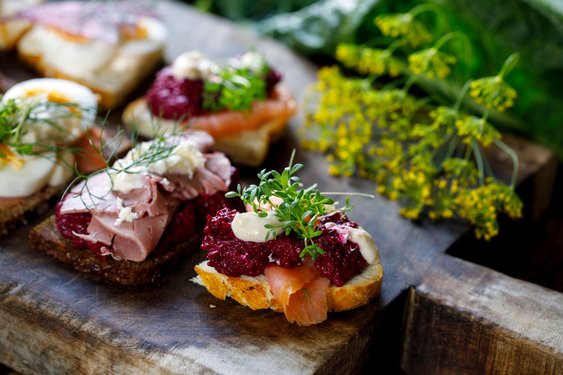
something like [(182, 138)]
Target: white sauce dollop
[(248, 226), (250, 60), (365, 241), (184, 159), (193, 65)]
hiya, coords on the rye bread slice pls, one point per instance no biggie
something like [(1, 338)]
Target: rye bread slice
[(46, 238), (13, 211)]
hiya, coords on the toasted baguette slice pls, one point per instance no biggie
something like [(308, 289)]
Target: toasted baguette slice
[(248, 147), (12, 28), (112, 72), (254, 292), (14, 210), (46, 237)]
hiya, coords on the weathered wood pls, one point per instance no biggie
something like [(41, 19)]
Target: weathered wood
[(483, 322), (53, 320)]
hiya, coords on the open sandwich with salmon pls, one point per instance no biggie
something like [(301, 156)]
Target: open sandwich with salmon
[(108, 46), (47, 132), (242, 104), (126, 223), (291, 251)]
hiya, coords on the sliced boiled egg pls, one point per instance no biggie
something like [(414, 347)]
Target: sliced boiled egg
[(25, 175), (57, 91), (30, 177)]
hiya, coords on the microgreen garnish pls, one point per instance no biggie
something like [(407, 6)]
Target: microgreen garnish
[(234, 89), (299, 210)]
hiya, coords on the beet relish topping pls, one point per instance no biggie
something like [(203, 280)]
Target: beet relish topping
[(183, 225), (234, 257), (178, 98), (171, 98)]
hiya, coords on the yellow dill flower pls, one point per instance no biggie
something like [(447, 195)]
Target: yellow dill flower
[(403, 25), (431, 62), (493, 92), (471, 128)]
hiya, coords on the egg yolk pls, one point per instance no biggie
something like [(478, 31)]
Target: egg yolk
[(8, 157)]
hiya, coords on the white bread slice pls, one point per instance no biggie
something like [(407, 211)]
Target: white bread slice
[(11, 29), (112, 71), (254, 292), (248, 147)]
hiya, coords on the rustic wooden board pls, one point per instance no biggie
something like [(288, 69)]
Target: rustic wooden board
[(55, 321), (483, 322)]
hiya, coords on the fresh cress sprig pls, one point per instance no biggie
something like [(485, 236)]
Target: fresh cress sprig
[(299, 210), (234, 89)]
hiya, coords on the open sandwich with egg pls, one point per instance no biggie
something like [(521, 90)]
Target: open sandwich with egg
[(242, 104), (126, 223), (108, 46), (291, 251), (47, 132)]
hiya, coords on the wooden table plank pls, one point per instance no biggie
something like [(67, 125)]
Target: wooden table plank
[(55, 321), (485, 322)]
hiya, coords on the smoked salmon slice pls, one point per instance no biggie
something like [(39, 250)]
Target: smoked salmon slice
[(301, 291), (98, 146), (310, 304), (88, 156), (280, 106)]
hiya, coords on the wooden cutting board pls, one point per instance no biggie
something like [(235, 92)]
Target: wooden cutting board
[(53, 320)]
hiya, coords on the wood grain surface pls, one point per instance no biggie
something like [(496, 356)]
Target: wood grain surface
[(53, 320)]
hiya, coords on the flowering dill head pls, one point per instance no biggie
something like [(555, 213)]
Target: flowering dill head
[(481, 206), (471, 128), (493, 92), (369, 60), (428, 158), (443, 117), (403, 25), (461, 170), (431, 62)]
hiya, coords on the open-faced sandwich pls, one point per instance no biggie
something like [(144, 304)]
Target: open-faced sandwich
[(108, 46), (44, 129), (242, 105), (293, 252), (126, 223), (13, 27)]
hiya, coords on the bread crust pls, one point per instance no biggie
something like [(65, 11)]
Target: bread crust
[(14, 210), (254, 292), (248, 147), (46, 238)]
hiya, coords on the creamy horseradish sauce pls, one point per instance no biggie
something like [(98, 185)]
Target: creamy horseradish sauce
[(248, 226), (129, 173), (193, 65)]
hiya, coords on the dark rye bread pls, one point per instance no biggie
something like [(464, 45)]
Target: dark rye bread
[(14, 210), (46, 237)]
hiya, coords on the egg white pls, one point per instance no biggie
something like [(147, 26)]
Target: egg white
[(75, 92), (37, 171)]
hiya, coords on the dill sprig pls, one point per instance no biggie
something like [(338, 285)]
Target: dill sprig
[(18, 117), (158, 149), (299, 210)]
